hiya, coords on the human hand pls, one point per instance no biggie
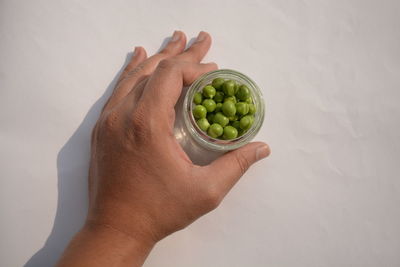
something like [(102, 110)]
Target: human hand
[(141, 182)]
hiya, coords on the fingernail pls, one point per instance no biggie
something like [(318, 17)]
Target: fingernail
[(175, 37), (201, 37), (262, 152), (135, 50)]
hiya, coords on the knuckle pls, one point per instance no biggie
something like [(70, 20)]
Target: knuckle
[(138, 120), (167, 64), (194, 54), (136, 70), (140, 124), (109, 122), (242, 162), (212, 198), (131, 73)]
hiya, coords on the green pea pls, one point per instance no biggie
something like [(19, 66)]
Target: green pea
[(227, 105), (236, 124), (230, 132), (230, 98), (237, 85), (243, 92), (246, 122), (198, 97), (199, 112), (252, 109), (209, 91), (251, 118), (203, 124), (218, 107), (233, 118), (241, 132), (242, 108), (215, 130), (219, 97), (229, 108), (249, 100), (210, 117), (221, 119), (209, 104), (218, 82), (229, 88)]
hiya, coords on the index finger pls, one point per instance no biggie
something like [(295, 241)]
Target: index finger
[(165, 85)]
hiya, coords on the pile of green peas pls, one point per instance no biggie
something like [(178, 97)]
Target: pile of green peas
[(224, 109)]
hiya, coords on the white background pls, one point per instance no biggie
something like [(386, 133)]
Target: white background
[(329, 194)]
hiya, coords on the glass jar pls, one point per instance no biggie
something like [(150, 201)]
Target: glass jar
[(200, 147)]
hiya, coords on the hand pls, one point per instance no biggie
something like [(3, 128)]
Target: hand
[(142, 185)]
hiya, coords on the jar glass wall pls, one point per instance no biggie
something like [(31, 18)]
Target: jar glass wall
[(196, 142)]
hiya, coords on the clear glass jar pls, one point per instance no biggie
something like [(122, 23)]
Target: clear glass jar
[(200, 147)]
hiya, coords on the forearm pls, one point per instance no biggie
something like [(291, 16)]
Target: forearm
[(98, 245)]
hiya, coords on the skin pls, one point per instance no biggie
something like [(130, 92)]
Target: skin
[(142, 186)]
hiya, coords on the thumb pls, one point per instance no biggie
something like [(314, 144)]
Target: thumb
[(228, 169)]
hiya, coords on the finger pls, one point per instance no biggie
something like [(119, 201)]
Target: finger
[(135, 95), (197, 51), (175, 46), (139, 55), (165, 85), (228, 169)]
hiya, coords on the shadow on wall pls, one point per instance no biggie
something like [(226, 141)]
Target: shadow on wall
[(72, 170)]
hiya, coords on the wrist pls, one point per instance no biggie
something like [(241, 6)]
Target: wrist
[(102, 245), (116, 235), (132, 221)]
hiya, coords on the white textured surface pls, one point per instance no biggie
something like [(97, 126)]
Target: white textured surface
[(330, 70)]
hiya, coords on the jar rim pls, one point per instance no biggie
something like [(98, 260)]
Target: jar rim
[(213, 143)]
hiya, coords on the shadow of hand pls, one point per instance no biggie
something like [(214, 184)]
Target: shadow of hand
[(72, 171)]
